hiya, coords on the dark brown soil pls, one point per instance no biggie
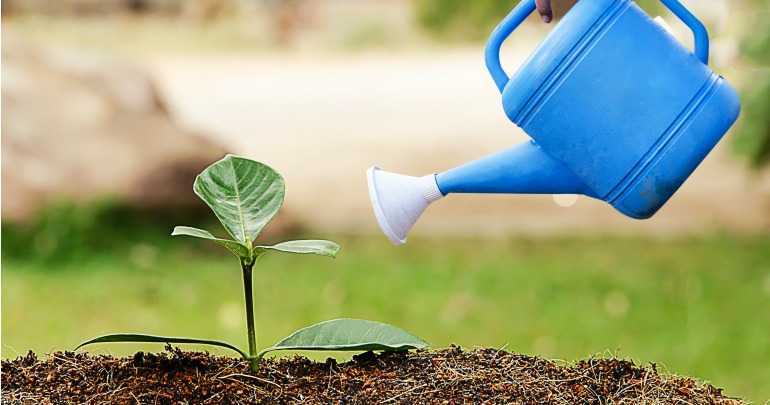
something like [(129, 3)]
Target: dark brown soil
[(449, 376)]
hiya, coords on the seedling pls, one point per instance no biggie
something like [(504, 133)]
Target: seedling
[(245, 195)]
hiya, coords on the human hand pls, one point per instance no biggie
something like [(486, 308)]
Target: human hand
[(545, 10)]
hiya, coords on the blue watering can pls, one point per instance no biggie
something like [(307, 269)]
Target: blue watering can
[(617, 110)]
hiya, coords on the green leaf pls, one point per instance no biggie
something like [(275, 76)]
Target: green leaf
[(138, 338), (245, 195), (236, 248), (348, 335), (316, 247)]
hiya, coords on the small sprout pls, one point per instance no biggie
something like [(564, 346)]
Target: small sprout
[(245, 195)]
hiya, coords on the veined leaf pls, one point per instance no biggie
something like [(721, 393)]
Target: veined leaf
[(316, 247), (139, 338), (236, 248), (244, 194), (348, 335)]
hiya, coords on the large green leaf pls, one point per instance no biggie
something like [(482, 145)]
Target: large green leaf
[(139, 338), (236, 248), (317, 247), (244, 195), (348, 335)]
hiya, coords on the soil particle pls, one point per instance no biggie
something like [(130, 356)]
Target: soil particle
[(449, 376)]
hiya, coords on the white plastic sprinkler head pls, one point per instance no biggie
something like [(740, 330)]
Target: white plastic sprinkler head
[(399, 200)]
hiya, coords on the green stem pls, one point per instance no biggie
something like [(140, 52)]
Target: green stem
[(247, 291)]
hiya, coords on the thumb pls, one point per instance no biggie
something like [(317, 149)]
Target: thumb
[(544, 8)]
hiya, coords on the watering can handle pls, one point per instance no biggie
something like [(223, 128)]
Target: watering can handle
[(527, 7)]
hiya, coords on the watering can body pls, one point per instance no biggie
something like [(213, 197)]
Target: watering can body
[(617, 109), (618, 101)]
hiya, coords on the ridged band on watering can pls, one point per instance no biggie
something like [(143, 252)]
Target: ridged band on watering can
[(616, 100)]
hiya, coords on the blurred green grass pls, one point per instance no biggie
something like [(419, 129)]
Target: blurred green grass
[(695, 306)]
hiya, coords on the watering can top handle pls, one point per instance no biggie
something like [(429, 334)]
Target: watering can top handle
[(527, 7)]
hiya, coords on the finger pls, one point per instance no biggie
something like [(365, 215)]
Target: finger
[(544, 8)]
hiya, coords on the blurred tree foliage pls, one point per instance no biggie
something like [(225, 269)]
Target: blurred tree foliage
[(457, 18), (475, 19), (753, 133)]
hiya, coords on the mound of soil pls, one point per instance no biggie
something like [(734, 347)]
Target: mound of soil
[(447, 376)]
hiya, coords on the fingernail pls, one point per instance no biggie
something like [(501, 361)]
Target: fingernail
[(546, 18)]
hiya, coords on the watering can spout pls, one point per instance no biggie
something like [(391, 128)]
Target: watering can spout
[(399, 200), (523, 169)]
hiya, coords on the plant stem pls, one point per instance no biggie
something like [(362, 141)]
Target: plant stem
[(247, 292)]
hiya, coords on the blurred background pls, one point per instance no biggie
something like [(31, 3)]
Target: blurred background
[(110, 108)]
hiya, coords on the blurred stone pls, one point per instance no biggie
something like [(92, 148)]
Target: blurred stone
[(88, 7), (204, 9), (81, 128)]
